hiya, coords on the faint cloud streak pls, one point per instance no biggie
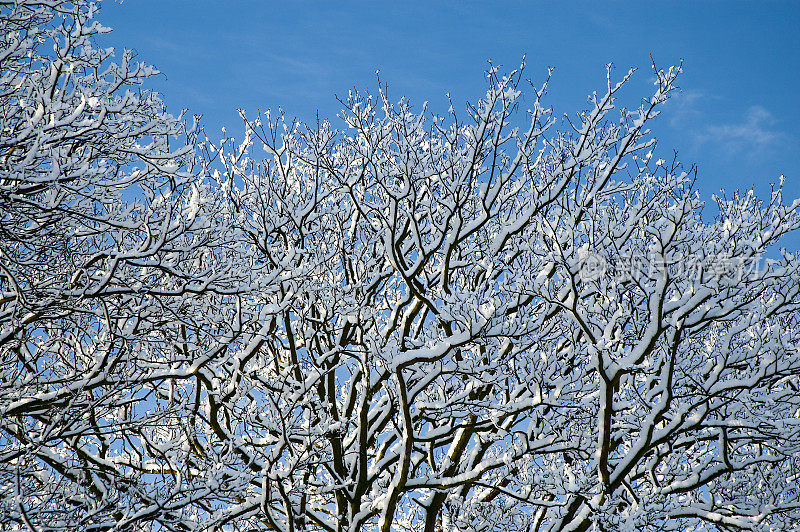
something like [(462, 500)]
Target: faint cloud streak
[(756, 132), (753, 134), (684, 107)]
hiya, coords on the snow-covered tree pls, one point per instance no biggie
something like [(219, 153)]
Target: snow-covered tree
[(469, 322), (101, 222)]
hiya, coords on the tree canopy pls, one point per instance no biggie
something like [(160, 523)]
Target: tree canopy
[(495, 319)]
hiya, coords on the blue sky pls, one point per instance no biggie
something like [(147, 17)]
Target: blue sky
[(736, 117)]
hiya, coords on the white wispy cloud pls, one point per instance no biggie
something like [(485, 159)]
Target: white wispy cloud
[(755, 132), (684, 108)]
